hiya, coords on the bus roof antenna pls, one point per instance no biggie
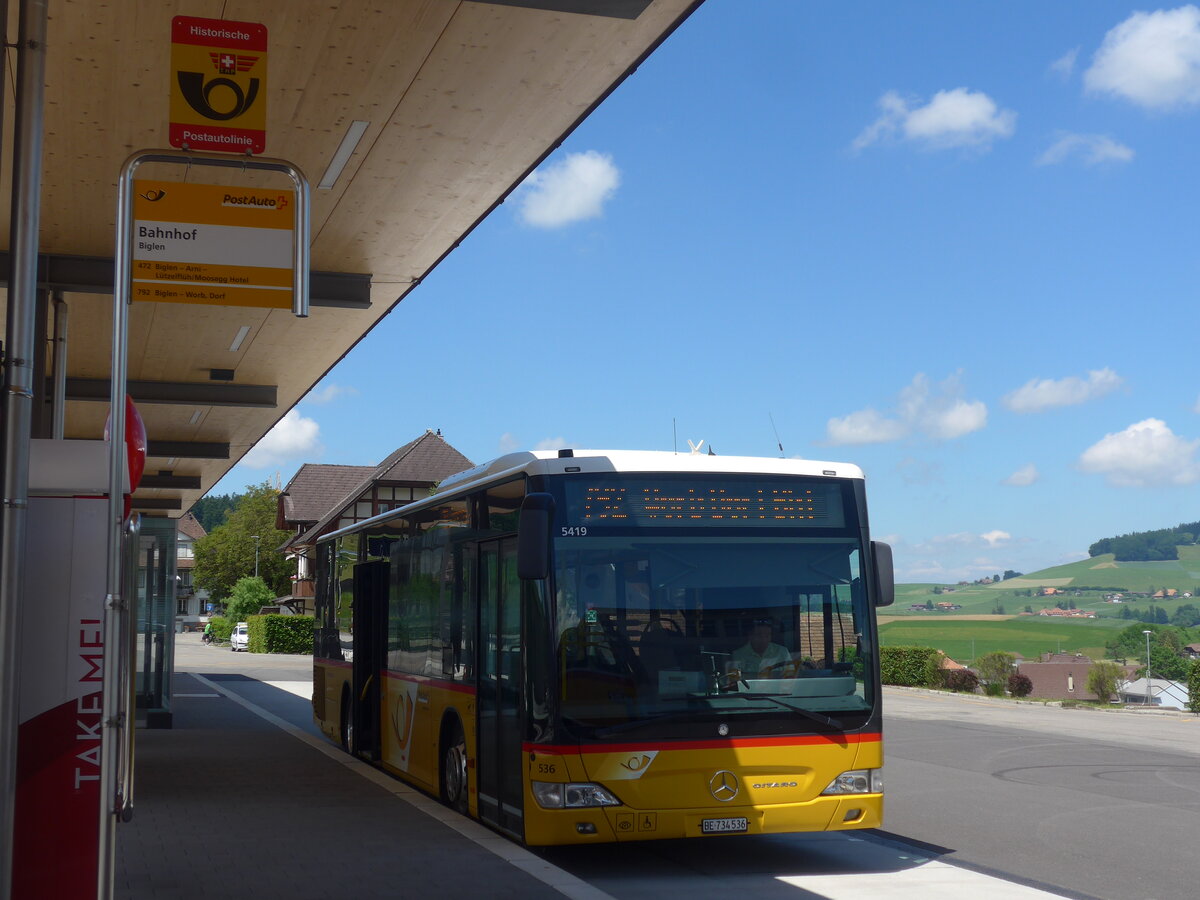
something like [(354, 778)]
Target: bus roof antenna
[(777, 440)]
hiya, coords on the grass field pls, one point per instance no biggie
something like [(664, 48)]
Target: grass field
[(1101, 572), (1029, 637)]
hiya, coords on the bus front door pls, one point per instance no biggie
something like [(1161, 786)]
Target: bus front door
[(370, 653), (498, 754)]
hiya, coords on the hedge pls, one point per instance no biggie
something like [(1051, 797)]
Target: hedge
[(222, 627), (961, 680), (277, 633), (1194, 687), (909, 666)]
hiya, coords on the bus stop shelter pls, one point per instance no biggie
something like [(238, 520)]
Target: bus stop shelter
[(412, 119)]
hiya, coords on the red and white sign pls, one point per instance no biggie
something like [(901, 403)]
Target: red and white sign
[(56, 844), (218, 85)]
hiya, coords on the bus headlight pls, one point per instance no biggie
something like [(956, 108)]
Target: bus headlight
[(551, 795), (857, 781)]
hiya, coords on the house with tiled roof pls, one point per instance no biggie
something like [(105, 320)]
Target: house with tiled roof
[(1062, 676), (323, 498), (189, 603), (1154, 692)]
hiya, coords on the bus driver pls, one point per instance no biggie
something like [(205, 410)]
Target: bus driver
[(759, 657)]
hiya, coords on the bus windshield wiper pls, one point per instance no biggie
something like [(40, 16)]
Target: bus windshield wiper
[(799, 710)]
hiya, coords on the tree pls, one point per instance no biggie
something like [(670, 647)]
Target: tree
[(227, 553), (1104, 678), (994, 669), (1009, 573), (1166, 663), (1019, 685), (249, 595), (210, 510)]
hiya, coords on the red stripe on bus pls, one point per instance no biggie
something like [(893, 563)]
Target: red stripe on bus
[(434, 682), (721, 744)]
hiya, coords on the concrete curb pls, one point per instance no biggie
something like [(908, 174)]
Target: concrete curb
[(1013, 701)]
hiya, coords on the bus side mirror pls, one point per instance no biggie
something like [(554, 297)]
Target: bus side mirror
[(533, 536), (885, 577)]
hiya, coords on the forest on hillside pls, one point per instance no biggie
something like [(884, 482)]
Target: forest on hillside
[(210, 511), (1147, 546)]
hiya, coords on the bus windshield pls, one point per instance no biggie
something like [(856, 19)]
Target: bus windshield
[(684, 631)]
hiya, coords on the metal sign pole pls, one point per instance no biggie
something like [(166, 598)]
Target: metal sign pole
[(116, 772), (18, 398)]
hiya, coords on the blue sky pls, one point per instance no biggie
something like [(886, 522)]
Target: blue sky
[(953, 243)]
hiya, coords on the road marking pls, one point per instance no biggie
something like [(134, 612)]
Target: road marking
[(930, 879), (561, 880), (299, 688)]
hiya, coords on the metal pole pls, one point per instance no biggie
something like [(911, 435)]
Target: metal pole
[(18, 396), (1147, 634), (115, 606), (61, 315), (257, 539)]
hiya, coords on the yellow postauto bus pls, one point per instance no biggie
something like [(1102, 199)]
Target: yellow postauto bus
[(582, 646)]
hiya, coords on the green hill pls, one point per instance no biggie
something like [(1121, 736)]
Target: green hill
[(1083, 583), (1030, 636)]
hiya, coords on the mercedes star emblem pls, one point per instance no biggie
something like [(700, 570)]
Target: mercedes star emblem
[(724, 786)]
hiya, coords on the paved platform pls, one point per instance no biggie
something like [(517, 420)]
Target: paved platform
[(230, 803)]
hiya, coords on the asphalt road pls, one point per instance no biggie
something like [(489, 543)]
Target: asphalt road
[(985, 799), (1102, 803)]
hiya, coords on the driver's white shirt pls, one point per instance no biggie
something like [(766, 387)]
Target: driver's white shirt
[(752, 663)]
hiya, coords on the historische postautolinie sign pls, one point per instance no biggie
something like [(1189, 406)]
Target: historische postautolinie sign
[(218, 85)]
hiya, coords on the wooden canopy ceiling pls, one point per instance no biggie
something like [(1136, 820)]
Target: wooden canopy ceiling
[(463, 99)]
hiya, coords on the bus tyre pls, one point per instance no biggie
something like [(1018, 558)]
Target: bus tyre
[(454, 768)]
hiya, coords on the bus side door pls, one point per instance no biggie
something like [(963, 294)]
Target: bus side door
[(498, 754)]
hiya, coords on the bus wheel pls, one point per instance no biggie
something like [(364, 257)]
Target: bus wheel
[(454, 769), (346, 727)]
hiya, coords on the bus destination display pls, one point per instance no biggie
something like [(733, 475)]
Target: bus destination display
[(733, 504)]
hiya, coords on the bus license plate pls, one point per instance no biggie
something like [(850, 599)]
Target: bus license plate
[(721, 826)]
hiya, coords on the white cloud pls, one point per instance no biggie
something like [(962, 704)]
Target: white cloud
[(996, 537), (1093, 149), (1023, 477), (1040, 394), (866, 426), (329, 393), (939, 412), (1151, 59), (571, 190), (1065, 64), (293, 436), (508, 443), (955, 118), (1146, 454)]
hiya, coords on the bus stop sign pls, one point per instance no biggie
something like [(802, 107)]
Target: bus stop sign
[(218, 85)]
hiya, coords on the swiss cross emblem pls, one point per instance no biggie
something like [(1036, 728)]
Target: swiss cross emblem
[(231, 64)]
